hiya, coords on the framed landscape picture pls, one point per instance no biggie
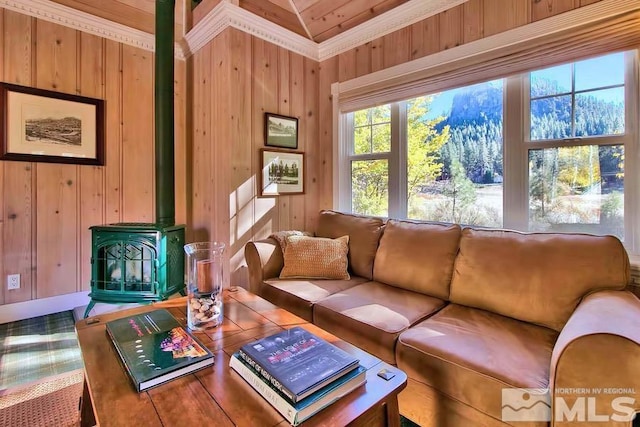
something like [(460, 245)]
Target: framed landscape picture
[(45, 126), (281, 131), (282, 173)]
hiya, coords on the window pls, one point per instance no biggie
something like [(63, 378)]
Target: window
[(455, 155), (541, 151), (370, 153), (577, 139), (577, 189), (580, 99)]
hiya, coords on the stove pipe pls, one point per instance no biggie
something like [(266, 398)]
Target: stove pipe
[(164, 113)]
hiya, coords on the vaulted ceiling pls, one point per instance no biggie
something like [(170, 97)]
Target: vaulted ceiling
[(318, 20)]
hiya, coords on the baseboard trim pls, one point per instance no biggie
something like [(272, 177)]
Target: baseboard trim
[(42, 306)]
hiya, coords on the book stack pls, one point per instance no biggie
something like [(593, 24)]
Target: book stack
[(297, 372), (154, 348)]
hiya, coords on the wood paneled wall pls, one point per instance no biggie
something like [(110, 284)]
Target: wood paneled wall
[(222, 93), (138, 14), (45, 208), (236, 79), (467, 22)]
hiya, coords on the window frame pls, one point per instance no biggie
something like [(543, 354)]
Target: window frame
[(516, 146)]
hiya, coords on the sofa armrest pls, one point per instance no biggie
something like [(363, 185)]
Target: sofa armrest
[(597, 355), (264, 261)]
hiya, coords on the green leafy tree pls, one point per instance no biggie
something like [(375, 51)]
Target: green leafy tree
[(372, 134), (424, 142), (370, 178), (370, 187)]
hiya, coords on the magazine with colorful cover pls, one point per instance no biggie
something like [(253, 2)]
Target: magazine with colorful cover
[(297, 362), (154, 348)]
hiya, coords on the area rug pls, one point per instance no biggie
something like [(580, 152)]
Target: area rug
[(51, 402), (38, 348)]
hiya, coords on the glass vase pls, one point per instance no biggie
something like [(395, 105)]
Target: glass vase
[(205, 277)]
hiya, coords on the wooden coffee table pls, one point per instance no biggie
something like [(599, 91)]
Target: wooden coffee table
[(217, 395)]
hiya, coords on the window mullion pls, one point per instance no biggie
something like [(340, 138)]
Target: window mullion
[(632, 151), (515, 154), (395, 177), (369, 156), (343, 172), (573, 100), (577, 142), (402, 160)]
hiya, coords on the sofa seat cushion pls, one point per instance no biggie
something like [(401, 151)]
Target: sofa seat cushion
[(299, 295), (372, 315), (471, 355)]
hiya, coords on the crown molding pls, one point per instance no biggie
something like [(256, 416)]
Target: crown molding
[(48, 10), (60, 14), (226, 15), (402, 16), (206, 30)]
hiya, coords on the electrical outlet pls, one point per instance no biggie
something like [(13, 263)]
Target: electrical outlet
[(13, 281)]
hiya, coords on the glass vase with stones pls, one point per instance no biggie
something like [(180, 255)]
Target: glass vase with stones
[(205, 276)]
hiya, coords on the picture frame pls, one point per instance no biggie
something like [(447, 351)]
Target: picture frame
[(280, 131), (40, 125), (282, 173)]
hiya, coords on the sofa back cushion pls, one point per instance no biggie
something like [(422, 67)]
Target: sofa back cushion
[(417, 256), (364, 234), (535, 277)]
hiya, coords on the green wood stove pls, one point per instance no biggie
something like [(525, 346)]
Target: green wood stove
[(142, 262), (136, 262)]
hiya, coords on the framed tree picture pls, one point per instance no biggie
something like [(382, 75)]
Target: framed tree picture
[(281, 131), (45, 126), (282, 173)]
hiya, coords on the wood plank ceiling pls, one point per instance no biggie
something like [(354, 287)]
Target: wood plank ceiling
[(318, 20)]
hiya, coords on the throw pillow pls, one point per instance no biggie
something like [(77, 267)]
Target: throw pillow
[(316, 258), (281, 237)]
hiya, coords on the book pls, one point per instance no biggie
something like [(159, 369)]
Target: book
[(297, 412), (154, 348), (297, 362)]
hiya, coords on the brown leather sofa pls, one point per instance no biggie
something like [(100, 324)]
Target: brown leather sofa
[(468, 312)]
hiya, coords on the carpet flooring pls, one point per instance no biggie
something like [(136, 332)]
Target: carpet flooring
[(37, 348), (53, 402)]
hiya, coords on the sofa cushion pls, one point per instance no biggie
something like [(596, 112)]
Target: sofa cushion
[(372, 315), (471, 355), (364, 234), (316, 258), (299, 295), (535, 277), (417, 256)]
